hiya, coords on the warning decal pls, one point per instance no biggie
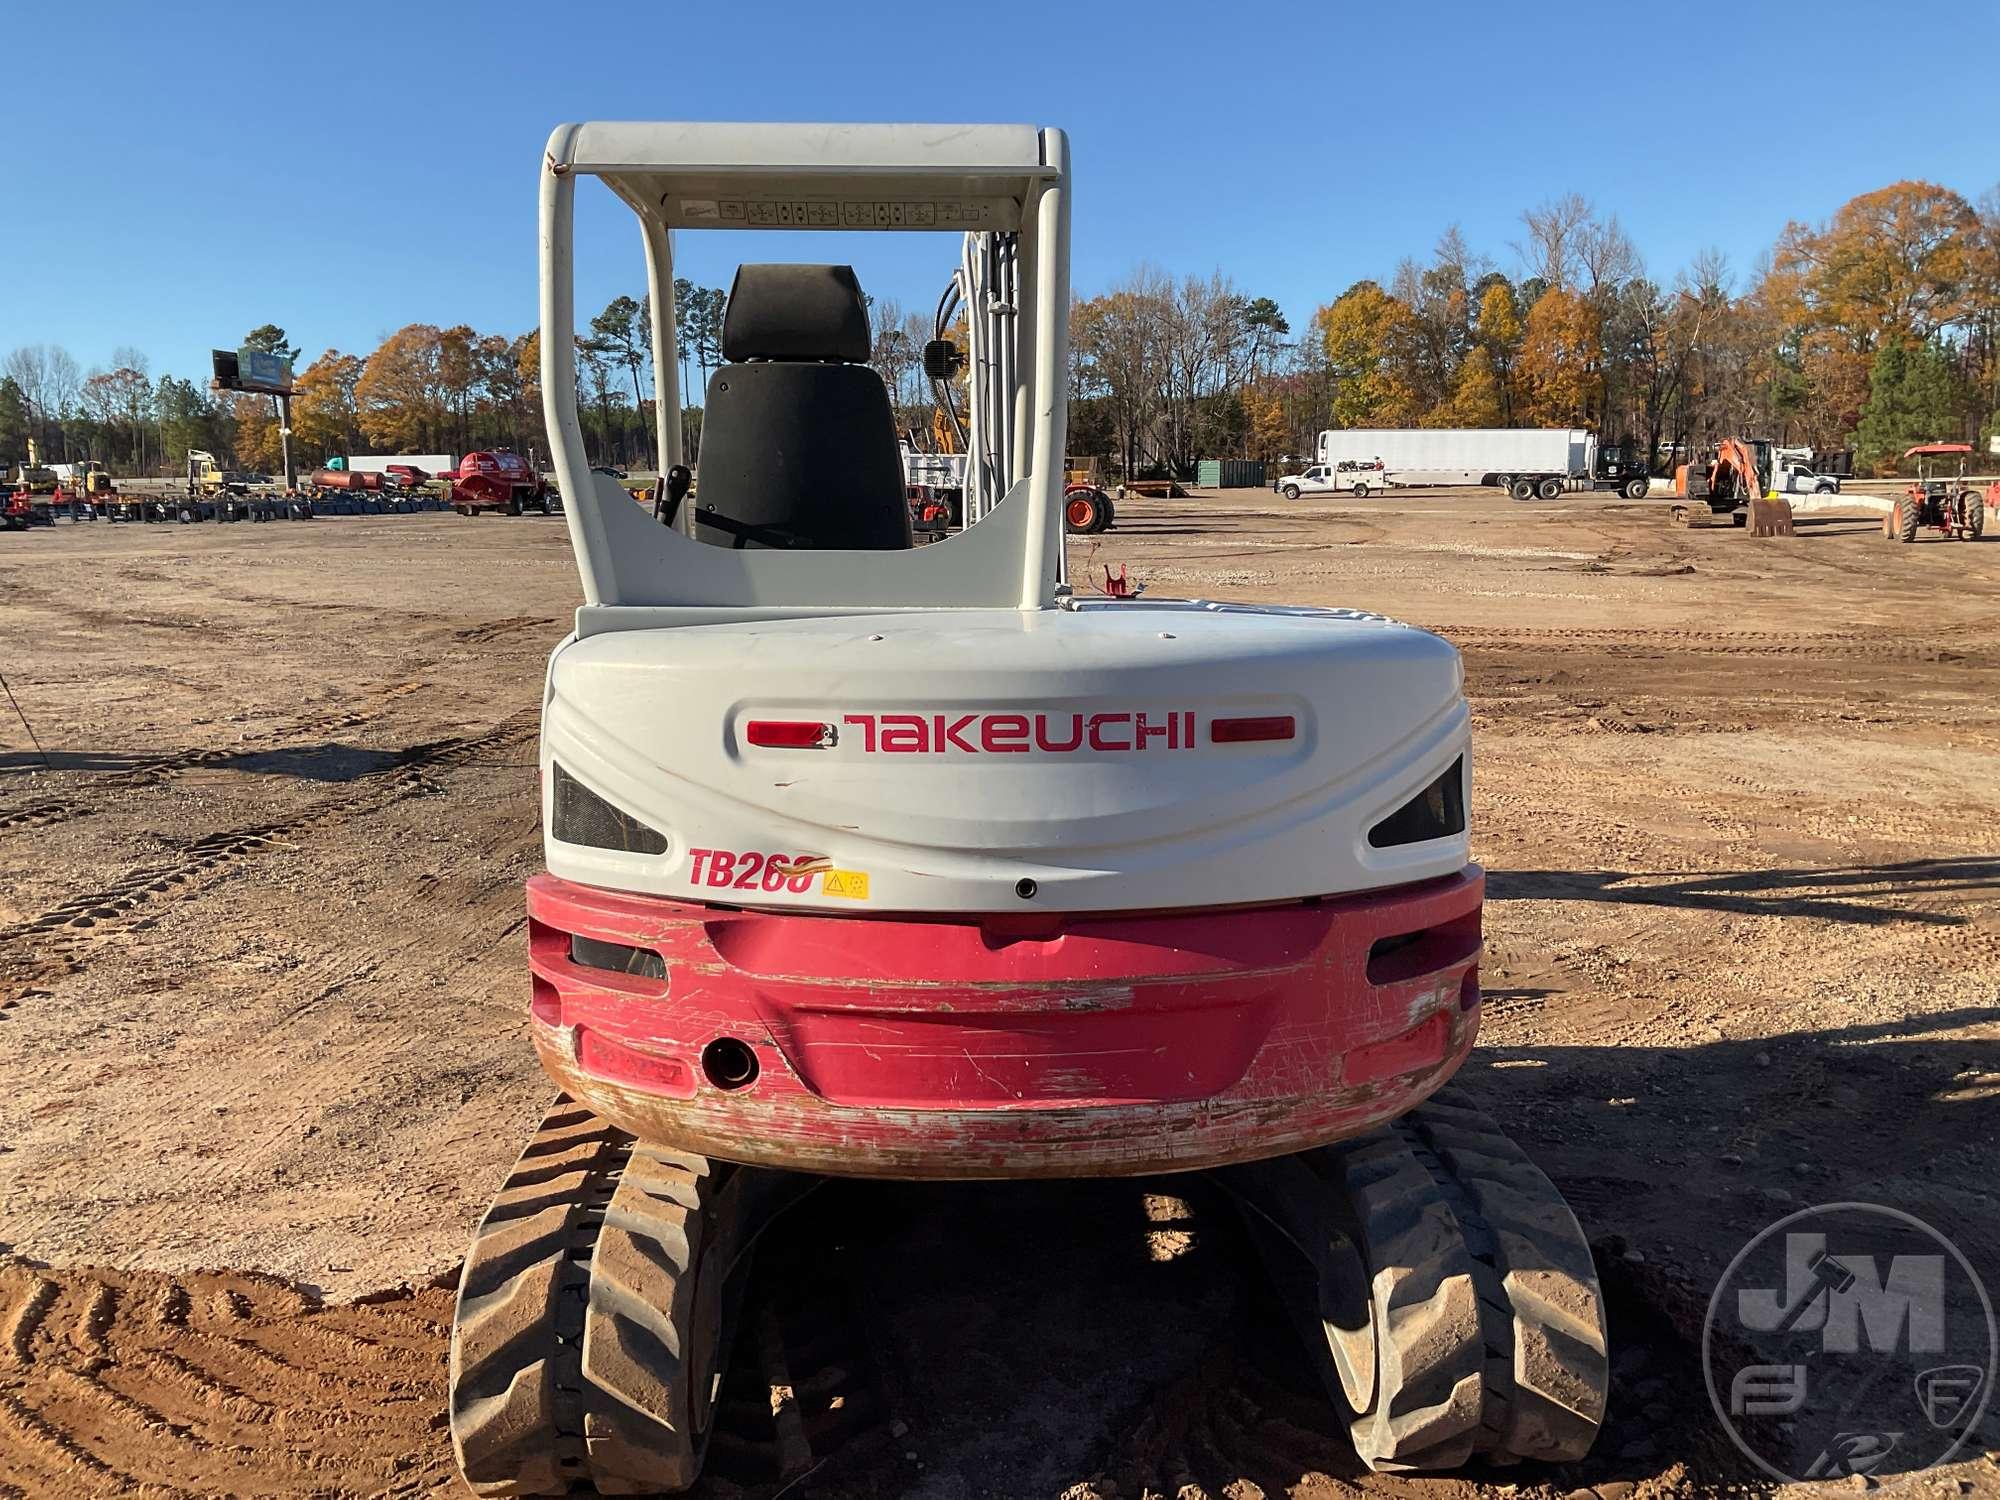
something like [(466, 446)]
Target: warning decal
[(850, 884)]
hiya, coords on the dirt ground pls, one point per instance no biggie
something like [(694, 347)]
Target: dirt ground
[(262, 1005)]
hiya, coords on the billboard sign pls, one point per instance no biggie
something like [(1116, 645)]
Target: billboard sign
[(251, 370)]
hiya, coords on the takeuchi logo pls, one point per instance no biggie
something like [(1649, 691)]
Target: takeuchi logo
[(1017, 734)]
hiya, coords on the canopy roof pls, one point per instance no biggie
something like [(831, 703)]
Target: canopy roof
[(689, 175), (1937, 450)]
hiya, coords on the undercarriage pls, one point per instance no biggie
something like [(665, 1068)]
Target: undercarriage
[(1439, 1283)]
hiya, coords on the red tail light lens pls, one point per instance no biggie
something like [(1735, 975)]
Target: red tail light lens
[(790, 734), (1246, 731)]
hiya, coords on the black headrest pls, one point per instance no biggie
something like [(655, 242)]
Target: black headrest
[(795, 312)]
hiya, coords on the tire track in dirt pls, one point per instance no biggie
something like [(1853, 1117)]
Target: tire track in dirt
[(135, 1382), (1861, 645), (495, 629), (325, 721), (107, 1395), (59, 940)]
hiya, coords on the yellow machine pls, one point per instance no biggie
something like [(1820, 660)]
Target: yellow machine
[(33, 477), (208, 478), (94, 483)]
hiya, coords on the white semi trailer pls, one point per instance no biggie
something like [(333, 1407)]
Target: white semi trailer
[(1525, 461), (381, 463)]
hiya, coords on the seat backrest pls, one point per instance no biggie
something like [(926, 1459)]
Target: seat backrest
[(798, 443)]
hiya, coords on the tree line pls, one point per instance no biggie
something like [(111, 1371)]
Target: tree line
[(1874, 330)]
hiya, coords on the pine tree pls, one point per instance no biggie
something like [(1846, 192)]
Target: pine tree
[(1913, 397)]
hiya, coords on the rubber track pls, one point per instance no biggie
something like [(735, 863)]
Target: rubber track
[(1490, 1340), (1428, 1404), (517, 1337), (645, 1422), (1542, 1310), (567, 1362)]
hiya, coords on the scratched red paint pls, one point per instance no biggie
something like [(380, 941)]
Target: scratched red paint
[(1052, 1046)]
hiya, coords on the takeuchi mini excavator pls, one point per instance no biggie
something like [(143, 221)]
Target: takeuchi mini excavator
[(874, 860)]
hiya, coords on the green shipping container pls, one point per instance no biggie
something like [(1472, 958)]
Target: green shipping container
[(1229, 474)]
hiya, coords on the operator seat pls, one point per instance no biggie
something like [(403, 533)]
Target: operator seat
[(798, 445)]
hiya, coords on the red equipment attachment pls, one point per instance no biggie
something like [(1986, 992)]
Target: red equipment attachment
[(352, 480), (499, 479), (1008, 1046)]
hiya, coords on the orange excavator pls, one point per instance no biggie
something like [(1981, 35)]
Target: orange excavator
[(1732, 481)]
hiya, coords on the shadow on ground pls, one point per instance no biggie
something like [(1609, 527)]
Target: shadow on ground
[(325, 762), (1836, 893)]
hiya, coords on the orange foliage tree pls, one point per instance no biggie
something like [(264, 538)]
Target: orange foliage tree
[(1559, 374)]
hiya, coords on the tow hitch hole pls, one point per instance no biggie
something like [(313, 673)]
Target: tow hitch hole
[(729, 1063), (1025, 888)]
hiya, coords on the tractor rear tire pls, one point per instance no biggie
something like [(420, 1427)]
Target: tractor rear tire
[(1522, 489), (1905, 521), (1082, 515), (1975, 517)]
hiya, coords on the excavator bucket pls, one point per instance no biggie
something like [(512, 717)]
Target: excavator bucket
[(1772, 517)]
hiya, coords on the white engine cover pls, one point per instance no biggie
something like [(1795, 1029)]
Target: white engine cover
[(979, 749)]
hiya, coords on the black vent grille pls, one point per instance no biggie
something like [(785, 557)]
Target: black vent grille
[(583, 817), (595, 953), (1437, 812)]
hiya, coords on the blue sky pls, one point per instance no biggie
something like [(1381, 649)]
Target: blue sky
[(344, 169)]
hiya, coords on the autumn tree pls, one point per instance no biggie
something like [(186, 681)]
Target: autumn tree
[(1558, 372), (1476, 396), (325, 414), (1499, 332), (1359, 332), (1268, 430), (258, 444), (1895, 262), (1118, 344), (1903, 262), (399, 398)]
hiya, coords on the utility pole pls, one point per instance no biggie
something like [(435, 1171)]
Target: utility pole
[(284, 405)]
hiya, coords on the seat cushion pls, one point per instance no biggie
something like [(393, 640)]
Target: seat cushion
[(800, 455)]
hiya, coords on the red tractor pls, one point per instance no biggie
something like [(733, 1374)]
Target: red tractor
[(1943, 501)]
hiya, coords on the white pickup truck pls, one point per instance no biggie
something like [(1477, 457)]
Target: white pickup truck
[(1356, 476), (1797, 479)]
